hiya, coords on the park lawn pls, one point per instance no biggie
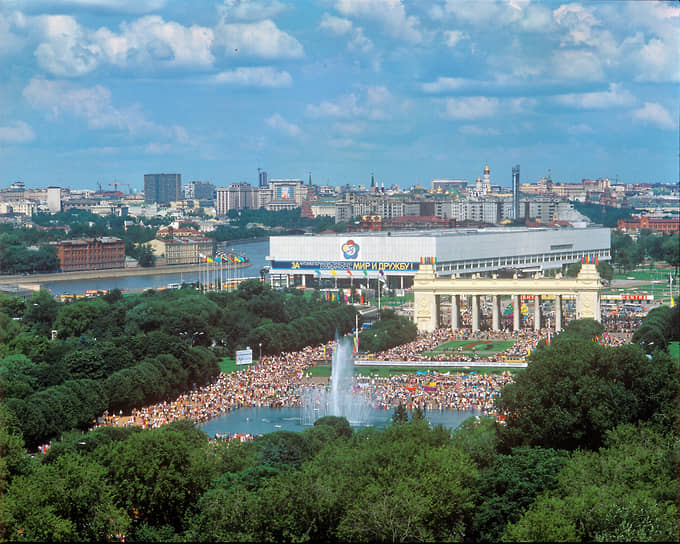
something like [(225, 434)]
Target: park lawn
[(228, 365), (324, 371), (481, 347), (674, 350)]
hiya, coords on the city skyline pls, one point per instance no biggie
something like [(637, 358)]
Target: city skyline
[(100, 90)]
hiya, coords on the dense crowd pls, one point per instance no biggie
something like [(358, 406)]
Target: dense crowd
[(278, 381)]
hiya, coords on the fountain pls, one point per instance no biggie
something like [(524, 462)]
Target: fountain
[(343, 399)]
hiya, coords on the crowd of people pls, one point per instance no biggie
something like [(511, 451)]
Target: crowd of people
[(279, 381)]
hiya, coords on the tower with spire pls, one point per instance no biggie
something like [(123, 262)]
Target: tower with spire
[(486, 183)]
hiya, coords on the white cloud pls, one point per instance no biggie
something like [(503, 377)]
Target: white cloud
[(474, 130), (12, 35), (335, 25), (16, 132), (579, 23), (446, 84), (96, 6), (262, 39), (615, 97), (279, 123), (344, 107), (521, 104), (655, 114), (255, 76), (453, 37), (250, 10), (93, 104), (375, 103), (528, 16), (471, 107), (68, 49), (342, 27), (577, 64), (391, 14)]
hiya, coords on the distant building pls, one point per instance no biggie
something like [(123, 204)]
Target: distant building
[(655, 224), (14, 193), (443, 186), (90, 253), (199, 190), (54, 199), (238, 196), (515, 192), (282, 194), (162, 188), (183, 250), (263, 183)]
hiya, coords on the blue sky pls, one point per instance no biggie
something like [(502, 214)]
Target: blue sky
[(97, 90)]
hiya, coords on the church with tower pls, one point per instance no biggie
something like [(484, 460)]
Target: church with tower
[(482, 186)]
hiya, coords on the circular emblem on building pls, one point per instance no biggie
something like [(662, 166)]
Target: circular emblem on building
[(350, 249)]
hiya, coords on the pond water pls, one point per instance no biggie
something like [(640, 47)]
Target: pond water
[(268, 420)]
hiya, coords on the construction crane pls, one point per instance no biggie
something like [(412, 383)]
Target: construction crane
[(115, 185)]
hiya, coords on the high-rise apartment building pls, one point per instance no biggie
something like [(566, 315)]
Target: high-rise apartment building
[(162, 188), (237, 196), (264, 182), (54, 199), (515, 192), (199, 190)]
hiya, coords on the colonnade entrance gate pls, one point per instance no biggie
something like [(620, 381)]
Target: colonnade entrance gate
[(428, 289)]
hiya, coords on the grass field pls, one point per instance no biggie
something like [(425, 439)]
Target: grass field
[(674, 349), (324, 371), (470, 347), (228, 365)]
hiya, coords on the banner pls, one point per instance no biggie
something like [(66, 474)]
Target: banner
[(244, 357)]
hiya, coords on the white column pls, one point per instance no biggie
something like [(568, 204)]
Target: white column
[(537, 312), (515, 313), (455, 312), (304, 280), (475, 313), (495, 312), (558, 313), (436, 310)]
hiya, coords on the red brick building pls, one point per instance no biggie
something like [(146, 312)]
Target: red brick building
[(90, 253), (655, 224)]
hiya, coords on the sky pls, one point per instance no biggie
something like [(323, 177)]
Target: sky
[(97, 91)]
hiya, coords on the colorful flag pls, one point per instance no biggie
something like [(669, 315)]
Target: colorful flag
[(209, 260), (334, 272), (317, 271), (349, 271), (365, 272)]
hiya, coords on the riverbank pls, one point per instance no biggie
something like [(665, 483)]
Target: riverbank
[(32, 279)]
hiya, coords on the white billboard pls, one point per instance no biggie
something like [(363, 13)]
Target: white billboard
[(244, 356)]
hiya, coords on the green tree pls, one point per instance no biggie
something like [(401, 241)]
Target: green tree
[(574, 391), (625, 492), (41, 311), (160, 475), (400, 414), (509, 487), (68, 500)]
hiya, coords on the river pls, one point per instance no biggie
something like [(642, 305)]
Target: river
[(255, 251)]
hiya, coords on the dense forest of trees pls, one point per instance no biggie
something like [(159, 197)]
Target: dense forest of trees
[(117, 353), (589, 450), (627, 252)]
